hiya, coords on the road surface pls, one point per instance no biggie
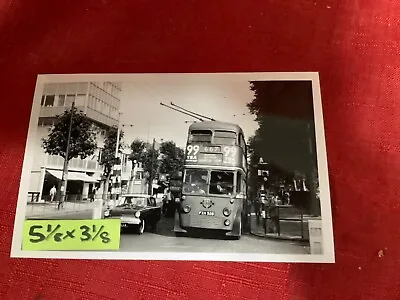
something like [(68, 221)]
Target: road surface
[(164, 240)]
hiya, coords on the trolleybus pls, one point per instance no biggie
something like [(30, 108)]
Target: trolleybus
[(214, 189)]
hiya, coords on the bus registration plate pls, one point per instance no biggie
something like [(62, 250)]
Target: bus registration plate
[(206, 213)]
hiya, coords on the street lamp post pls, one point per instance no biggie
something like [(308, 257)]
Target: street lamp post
[(64, 177), (151, 169), (118, 163)]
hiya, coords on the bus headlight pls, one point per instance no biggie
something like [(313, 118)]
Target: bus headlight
[(226, 212), (137, 214), (227, 223), (107, 213), (186, 208)]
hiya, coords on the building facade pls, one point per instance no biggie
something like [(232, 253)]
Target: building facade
[(100, 102)]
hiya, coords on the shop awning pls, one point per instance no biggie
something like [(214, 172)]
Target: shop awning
[(96, 177), (78, 176)]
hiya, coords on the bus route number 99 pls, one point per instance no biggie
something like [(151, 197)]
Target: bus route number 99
[(229, 155), (229, 151), (192, 151)]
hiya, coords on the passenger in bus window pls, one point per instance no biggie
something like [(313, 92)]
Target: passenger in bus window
[(198, 189), (221, 183), (195, 182)]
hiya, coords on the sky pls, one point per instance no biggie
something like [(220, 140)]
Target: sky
[(220, 98)]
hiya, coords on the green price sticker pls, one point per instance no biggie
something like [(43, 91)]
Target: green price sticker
[(102, 234)]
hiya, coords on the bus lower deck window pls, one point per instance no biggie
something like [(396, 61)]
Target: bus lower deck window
[(195, 181), (221, 183)]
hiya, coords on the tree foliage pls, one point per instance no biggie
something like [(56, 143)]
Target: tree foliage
[(150, 160), (285, 137), (170, 161), (290, 99), (143, 152), (173, 158), (284, 111), (253, 169), (83, 137), (108, 154), (137, 148)]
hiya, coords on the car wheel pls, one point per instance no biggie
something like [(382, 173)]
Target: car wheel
[(141, 226)]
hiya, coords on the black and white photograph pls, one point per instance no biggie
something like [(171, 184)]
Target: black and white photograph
[(218, 167)]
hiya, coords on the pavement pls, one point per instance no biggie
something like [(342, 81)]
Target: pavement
[(165, 241), (50, 209), (288, 229), (293, 225)]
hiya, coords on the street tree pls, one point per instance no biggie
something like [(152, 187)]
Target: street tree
[(108, 155), (172, 158), (253, 167), (137, 149), (145, 153), (74, 125), (83, 136), (286, 137)]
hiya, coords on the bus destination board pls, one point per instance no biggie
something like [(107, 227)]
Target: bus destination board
[(210, 158), (211, 149), (212, 155)]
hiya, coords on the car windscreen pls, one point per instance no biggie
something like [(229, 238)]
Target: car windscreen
[(136, 201)]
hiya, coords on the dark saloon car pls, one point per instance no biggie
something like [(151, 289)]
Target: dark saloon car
[(136, 211)]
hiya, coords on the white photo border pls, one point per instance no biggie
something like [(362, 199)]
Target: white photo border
[(328, 255)]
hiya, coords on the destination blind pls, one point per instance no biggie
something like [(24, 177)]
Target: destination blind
[(212, 155)]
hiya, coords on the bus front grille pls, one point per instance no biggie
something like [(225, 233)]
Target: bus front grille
[(206, 222)]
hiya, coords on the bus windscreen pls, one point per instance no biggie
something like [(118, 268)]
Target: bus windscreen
[(221, 183), (195, 181)]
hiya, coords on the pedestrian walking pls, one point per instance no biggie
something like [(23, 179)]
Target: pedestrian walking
[(53, 192), (274, 215), (93, 195), (257, 208)]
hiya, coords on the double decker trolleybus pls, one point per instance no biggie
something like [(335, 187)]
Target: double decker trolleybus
[(214, 190)]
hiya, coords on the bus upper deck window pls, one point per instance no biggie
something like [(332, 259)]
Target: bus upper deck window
[(202, 136), (225, 137)]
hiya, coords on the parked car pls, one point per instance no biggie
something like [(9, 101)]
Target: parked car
[(136, 211)]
